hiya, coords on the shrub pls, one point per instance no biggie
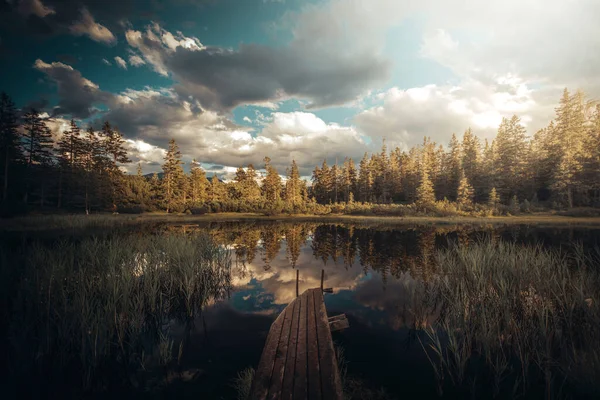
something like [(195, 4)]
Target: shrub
[(199, 210)]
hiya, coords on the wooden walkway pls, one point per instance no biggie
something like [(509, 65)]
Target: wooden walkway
[(298, 360)]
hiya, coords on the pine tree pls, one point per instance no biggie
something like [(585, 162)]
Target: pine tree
[(493, 199), (453, 168), (570, 137), (365, 180), (156, 192), (272, 184), (115, 153), (10, 152), (425, 191), (70, 153), (38, 144), (510, 146), (464, 196), (348, 180), (173, 174), (471, 160), (293, 187), (198, 183), (216, 191)]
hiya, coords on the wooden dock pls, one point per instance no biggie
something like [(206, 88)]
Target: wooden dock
[(298, 360)]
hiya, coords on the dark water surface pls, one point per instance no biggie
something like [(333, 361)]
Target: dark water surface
[(372, 270)]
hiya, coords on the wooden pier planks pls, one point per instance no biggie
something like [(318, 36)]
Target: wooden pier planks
[(298, 360)]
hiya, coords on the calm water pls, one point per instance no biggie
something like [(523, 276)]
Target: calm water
[(372, 270)]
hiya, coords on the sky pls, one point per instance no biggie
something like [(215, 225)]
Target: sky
[(233, 81)]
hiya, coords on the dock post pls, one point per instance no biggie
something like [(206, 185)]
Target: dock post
[(322, 278), (297, 278)]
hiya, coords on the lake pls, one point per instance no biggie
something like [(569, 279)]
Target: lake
[(380, 276)]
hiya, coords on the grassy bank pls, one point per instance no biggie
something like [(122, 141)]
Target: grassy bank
[(89, 314), (523, 318), (109, 221)]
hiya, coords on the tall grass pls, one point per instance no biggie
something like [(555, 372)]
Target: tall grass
[(100, 309), (525, 317)]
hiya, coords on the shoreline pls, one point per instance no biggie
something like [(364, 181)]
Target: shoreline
[(70, 221)]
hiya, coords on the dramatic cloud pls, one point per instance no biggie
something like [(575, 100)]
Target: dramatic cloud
[(35, 7), (307, 68), (120, 62), (154, 117), (89, 27), (76, 94)]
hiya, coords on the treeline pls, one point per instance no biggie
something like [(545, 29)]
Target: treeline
[(560, 164), (558, 167)]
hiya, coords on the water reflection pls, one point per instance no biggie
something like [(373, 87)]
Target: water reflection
[(380, 277)]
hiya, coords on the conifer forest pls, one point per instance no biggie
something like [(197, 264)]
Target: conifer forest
[(80, 170)]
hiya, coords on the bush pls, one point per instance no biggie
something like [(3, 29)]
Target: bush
[(199, 210)]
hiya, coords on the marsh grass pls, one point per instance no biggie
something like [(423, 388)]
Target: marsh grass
[(100, 309), (243, 383), (519, 317)]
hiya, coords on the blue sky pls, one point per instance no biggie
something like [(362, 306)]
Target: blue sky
[(236, 80)]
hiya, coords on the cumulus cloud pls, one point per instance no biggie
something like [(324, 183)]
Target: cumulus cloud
[(155, 116), (86, 25), (76, 94), (306, 68), (406, 116), (151, 157), (120, 62), (35, 7)]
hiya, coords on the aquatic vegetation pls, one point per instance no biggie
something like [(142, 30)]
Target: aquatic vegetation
[(101, 308), (525, 315), (243, 383)]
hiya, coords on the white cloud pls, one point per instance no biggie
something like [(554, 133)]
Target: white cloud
[(151, 157), (89, 27), (136, 60), (120, 62), (247, 119), (406, 116), (155, 43), (105, 61)]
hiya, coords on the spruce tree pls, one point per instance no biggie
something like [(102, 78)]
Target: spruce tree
[(464, 196), (10, 151), (38, 146), (425, 191), (272, 184), (173, 175), (198, 183), (293, 187)]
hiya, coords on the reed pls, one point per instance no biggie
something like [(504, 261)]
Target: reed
[(101, 308), (519, 314)]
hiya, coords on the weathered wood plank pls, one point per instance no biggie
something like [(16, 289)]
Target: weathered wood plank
[(338, 325), (260, 385), (300, 370), (287, 389), (330, 377), (282, 353), (298, 361), (336, 317), (314, 374)]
